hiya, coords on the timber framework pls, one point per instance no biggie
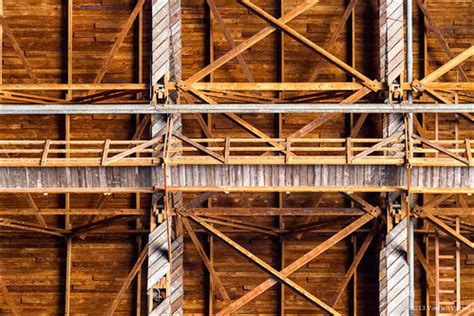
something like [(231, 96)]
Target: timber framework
[(208, 157)]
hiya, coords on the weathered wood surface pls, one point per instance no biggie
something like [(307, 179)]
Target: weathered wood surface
[(80, 177), (236, 175), (327, 175)]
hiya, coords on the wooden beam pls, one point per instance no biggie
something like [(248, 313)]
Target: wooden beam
[(332, 41), (228, 36), (73, 86), (437, 32), (424, 263), (352, 269), (16, 46), (217, 283), (70, 35), (100, 204), (366, 206), (392, 138), (86, 228), (419, 211), (200, 147), (135, 149), (441, 149), (358, 126), (315, 203), (297, 264), (128, 280), (9, 299), (239, 49), (234, 117), (371, 84), (311, 126), (454, 62), (467, 310), (67, 298), (32, 204), (276, 211), (242, 225), (20, 225), (262, 264), (118, 42)]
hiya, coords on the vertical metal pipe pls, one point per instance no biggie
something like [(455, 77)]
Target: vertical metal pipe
[(411, 236)]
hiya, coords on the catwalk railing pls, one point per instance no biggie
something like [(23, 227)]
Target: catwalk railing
[(181, 150)]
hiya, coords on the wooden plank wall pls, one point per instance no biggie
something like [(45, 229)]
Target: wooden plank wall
[(41, 29), (317, 175)]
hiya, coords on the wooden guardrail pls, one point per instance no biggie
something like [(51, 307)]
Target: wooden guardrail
[(183, 150)]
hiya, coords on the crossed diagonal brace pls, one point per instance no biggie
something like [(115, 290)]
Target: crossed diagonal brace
[(283, 275)]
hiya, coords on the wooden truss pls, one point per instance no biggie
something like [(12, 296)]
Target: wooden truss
[(369, 212), (297, 92)]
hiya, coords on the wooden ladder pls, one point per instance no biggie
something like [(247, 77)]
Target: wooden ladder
[(447, 274)]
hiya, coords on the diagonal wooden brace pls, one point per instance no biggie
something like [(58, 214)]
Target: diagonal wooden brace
[(371, 84), (262, 264)]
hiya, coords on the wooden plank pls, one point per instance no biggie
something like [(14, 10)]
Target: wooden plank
[(67, 297), (44, 157), (468, 151), (86, 228), (358, 126), (70, 35), (26, 226)]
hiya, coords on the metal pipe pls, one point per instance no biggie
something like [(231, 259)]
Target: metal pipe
[(411, 229)]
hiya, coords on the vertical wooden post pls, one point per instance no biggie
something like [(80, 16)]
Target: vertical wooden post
[(67, 305), (354, 277), (437, 294), (211, 260), (458, 267), (69, 46), (139, 242)]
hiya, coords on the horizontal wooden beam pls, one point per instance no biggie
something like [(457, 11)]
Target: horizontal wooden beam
[(263, 189), (274, 211), (333, 189), (79, 211), (51, 190), (73, 86)]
